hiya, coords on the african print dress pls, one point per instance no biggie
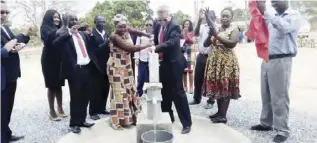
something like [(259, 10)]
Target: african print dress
[(221, 79), (124, 101)]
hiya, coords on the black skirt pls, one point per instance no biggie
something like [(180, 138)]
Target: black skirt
[(51, 67)]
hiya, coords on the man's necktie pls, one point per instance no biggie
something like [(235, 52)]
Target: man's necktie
[(161, 41), (81, 45)]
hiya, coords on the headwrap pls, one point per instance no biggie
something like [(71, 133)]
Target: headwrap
[(120, 19)]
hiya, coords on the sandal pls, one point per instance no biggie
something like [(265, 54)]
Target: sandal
[(116, 126), (53, 118), (61, 114)]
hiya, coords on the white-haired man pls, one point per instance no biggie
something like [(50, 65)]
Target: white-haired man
[(167, 37)]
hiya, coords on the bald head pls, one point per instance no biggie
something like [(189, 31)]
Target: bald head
[(280, 5), (71, 19)]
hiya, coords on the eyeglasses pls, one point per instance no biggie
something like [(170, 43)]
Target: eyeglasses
[(149, 25), (5, 12)]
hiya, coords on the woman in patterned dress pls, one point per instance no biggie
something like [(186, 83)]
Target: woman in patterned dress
[(188, 36), (221, 80), (124, 101)]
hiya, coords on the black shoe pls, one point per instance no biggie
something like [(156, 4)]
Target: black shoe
[(87, 125), (15, 138), (208, 106), (214, 116), (194, 103), (75, 129), (186, 130), (261, 128), (95, 117), (219, 119), (279, 139), (105, 112)]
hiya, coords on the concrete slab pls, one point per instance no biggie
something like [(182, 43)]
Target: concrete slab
[(202, 130), (144, 125)]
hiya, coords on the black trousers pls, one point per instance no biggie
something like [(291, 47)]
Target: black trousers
[(98, 101), (199, 76), (80, 87), (173, 91), (7, 102)]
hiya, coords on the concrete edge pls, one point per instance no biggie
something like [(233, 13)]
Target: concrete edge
[(193, 117)]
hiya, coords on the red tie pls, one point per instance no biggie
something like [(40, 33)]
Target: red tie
[(81, 45), (161, 41)]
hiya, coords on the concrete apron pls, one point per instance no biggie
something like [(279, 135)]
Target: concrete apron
[(202, 131)]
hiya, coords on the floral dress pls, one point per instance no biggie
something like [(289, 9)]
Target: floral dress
[(124, 101), (221, 80)]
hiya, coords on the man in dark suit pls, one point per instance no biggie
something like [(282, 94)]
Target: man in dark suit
[(78, 63), (99, 41), (167, 37), (11, 65), (4, 54)]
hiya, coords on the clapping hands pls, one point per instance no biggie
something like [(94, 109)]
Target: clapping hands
[(18, 47)]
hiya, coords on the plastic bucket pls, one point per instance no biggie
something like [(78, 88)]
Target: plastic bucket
[(161, 136)]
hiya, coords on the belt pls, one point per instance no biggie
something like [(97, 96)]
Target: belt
[(83, 66), (278, 56), (204, 54)]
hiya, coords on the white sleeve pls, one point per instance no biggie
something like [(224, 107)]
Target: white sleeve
[(138, 42), (201, 30)]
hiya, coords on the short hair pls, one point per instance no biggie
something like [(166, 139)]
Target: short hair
[(164, 8), (95, 18), (229, 9)]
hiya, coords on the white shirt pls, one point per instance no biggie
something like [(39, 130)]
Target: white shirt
[(143, 55), (102, 34), (203, 34), (81, 60), (5, 30)]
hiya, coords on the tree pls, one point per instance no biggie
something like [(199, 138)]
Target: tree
[(135, 11), (308, 10), (239, 14), (180, 17), (34, 10)]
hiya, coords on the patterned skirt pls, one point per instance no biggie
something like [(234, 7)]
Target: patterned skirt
[(124, 101), (221, 80)]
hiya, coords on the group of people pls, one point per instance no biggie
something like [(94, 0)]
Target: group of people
[(92, 62)]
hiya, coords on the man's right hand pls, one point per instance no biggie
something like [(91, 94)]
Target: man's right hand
[(74, 29), (137, 62), (10, 45), (261, 6), (201, 14)]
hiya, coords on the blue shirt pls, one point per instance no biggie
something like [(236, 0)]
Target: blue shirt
[(283, 32)]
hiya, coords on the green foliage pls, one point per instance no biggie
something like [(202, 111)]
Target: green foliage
[(239, 14), (180, 17), (135, 11), (307, 9)]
